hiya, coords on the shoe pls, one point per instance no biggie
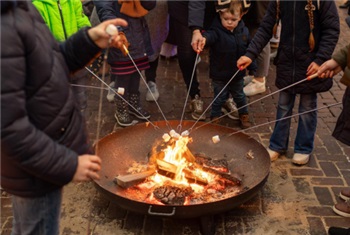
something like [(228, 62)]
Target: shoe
[(111, 93), (245, 123), (345, 194), (230, 108), (134, 101), (122, 113), (254, 88), (300, 158), (345, 5), (152, 94), (197, 108), (273, 154), (342, 208), (338, 231), (248, 79)]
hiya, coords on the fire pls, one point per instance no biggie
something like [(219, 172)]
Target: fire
[(174, 175)]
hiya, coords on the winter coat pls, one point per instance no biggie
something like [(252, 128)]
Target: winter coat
[(137, 32), (294, 56), (63, 17), (342, 128), (42, 129), (226, 48)]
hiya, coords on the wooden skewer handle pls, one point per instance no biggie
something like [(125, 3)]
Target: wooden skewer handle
[(312, 76)]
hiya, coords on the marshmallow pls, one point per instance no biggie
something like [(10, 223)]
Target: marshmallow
[(121, 90), (215, 139), (112, 30), (166, 137), (185, 133), (172, 133)]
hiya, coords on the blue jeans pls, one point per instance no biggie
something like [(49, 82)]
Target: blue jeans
[(235, 88), (38, 215), (304, 140)]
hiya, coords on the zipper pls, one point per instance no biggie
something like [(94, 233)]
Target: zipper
[(62, 20), (293, 44)]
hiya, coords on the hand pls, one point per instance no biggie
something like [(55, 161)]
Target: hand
[(312, 69), (243, 62), (198, 41), (88, 166), (125, 44), (101, 38), (328, 69)]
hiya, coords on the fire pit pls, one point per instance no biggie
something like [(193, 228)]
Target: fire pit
[(245, 157)]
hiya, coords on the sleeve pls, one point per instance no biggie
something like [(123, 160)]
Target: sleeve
[(196, 12), (82, 19), (106, 10), (329, 31), (211, 36), (342, 56), (79, 50), (264, 32)]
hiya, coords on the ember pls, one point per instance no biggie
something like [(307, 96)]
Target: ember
[(174, 176)]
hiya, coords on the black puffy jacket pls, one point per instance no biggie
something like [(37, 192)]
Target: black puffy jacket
[(42, 129), (294, 57)]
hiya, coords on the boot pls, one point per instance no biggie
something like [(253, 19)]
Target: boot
[(122, 113), (134, 100)]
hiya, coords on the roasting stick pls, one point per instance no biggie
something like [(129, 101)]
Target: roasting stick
[(291, 116), (289, 86), (179, 127), (234, 75), (144, 80)]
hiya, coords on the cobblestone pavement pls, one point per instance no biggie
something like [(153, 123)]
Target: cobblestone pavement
[(294, 200)]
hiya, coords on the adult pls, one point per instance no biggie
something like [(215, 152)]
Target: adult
[(44, 144)]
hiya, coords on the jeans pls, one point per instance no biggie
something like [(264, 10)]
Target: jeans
[(235, 88), (304, 140), (38, 215)]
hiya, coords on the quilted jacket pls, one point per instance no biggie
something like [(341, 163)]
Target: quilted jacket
[(42, 129)]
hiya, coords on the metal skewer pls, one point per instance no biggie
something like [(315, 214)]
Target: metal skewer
[(275, 92), (281, 119), (144, 80)]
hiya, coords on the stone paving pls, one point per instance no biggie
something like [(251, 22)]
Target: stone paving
[(294, 200)]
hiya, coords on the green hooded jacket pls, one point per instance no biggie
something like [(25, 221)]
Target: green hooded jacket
[(57, 13)]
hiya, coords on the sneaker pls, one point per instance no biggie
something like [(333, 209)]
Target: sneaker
[(342, 208), (254, 88), (338, 231), (248, 79), (345, 194), (111, 93), (245, 123), (152, 94), (197, 108), (230, 108), (273, 154), (300, 158)]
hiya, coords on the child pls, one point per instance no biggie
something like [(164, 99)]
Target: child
[(63, 19), (123, 71), (309, 34), (228, 39)]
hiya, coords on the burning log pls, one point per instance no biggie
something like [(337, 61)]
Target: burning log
[(168, 167), (173, 195), (129, 180)]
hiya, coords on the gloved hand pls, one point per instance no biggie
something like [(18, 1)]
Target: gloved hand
[(124, 43)]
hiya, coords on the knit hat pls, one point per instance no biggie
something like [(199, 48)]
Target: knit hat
[(132, 8), (222, 5)]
